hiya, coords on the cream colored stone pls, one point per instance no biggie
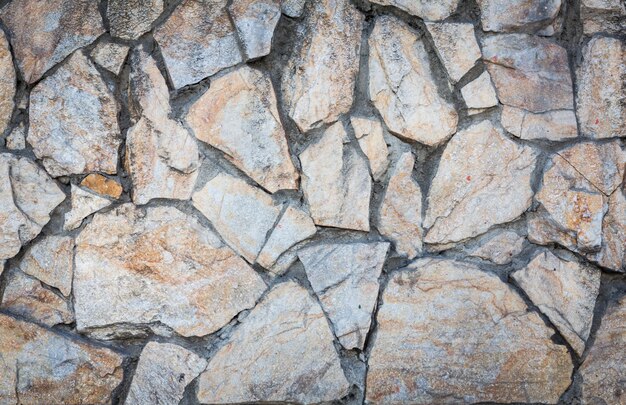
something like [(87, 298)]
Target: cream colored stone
[(130, 19), (603, 16), (456, 46), (319, 78), (73, 120), (429, 10), (555, 125), (612, 253), (336, 182), (51, 260), (255, 21), (282, 352), (102, 185), (138, 270), (402, 86), (517, 15), (369, 132), (84, 203), (483, 179), (239, 116), (7, 84), (479, 94), (565, 291), (400, 214), (242, 214), (451, 333), (110, 55), (498, 247)]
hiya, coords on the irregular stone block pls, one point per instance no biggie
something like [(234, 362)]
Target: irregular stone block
[(369, 132), (130, 19), (429, 10), (7, 84), (51, 260), (102, 185), (84, 203), (556, 125), (292, 8), (255, 21), (607, 16), (110, 56), (517, 15), (456, 46), (499, 246), (479, 94)]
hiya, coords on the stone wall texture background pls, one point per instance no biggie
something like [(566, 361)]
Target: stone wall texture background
[(312, 201)]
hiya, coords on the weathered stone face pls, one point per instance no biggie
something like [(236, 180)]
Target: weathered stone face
[(429, 10), (556, 125), (517, 15), (7, 82), (84, 203), (110, 55), (51, 260), (456, 46), (129, 19), (603, 16), (255, 21), (479, 94), (369, 132)]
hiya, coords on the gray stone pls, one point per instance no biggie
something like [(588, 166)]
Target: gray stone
[(499, 246), (292, 8), (479, 94), (607, 16), (7, 84), (16, 140), (429, 10), (84, 203), (456, 46), (110, 56), (555, 125), (517, 15), (130, 19), (255, 21), (51, 260)]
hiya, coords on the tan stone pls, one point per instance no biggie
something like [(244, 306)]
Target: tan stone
[(369, 132), (499, 247), (483, 179), (42, 367), (239, 116), (138, 270), (450, 333), (51, 260), (282, 352), (402, 86), (319, 78), (16, 140), (73, 120), (456, 46), (102, 185), (556, 125), (400, 214), (130, 19), (612, 253), (429, 10), (197, 41), (479, 94), (336, 181), (84, 203), (600, 89), (517, 15), (255, 21), (7, 83), (565, 291), (110, 55), (603, 16), (45, 33)]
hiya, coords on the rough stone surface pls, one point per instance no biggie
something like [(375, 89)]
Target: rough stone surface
[(565, 291), (51, 260), (499, 247), (400, 214), (84, 203), (163, 372), (255, 21), (16, 140), (517, 15), (402, 86), (197, 41), (369, 132), (292, 8), (456, 46), (43, 367), (285, 339), (130, 19), (102, 185), (603, 16), (600, 108), (556, 125), (336, 181), (7, 82), (110, 55), (73, 120), (479, 94), (451, 333), (44, 33), (319, 78), (483, 179), (429, 10), (612, 253), (238, 115), (140, 269)]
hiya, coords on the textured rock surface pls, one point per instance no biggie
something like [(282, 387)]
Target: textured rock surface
[(612, 253), (292, 8), (556, 125), (402, 86), (142, 269), (456, 46), (238, 115), (44, 33), (129, 19), (429, 10), (345, 278), (285, 339), (369, 132), (255, 21), (7, 82), (84, 203), (517, 15), (110, 55), (16, 140), (499, 246), (102, 185), (603, 16), (51, 260), (479, 94), (451, 333)]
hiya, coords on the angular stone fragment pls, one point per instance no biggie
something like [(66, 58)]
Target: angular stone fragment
[(603, 16), (479, 94), (369, 132), (282, 352), (336, 182), (319, 78), (130, 19), (7, 82), (140, 269), (197, 41), (612, 253), (255, 21), (239, 116), (163, 372), (555, 125), (429, 10), (456, 46), (345, 278), (110, 56), (161, 156), (517, 15), (483, 179), (451, 333), (16, 140), (25, 296), (498, 247), (241, 214), (102, 185), (601, 91), (44, 33), (292, 8), (565, 291), (529, 72), (295, 225), (51, 260), (84, 203), (40, 366), (402, 85), (604, 367), (400, 214), (73, 120), (27, 197)]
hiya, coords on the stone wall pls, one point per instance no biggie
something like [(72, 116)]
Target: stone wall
[(346, 201)]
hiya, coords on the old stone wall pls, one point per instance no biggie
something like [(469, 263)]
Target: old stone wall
[(322, 201)]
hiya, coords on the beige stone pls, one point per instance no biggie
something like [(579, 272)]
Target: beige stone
[(102, 185), (429, 10), (84, 203), (145, 269), (197, 41), (336, 181), (456, 46), (402, 85), (239, 116), (450, 333), (479, 94), (612, 253), (255, 21), (499, 247), (7, 83), (369, 133), (400, 214), (73, 120), (16, 140), (110, 55), (603, 16), (319, 78), (42, 367), (555, 125), (130, 19), (517, 15), (51, 260), (565, 291), (282, 352), (45, 33), (483, 179)]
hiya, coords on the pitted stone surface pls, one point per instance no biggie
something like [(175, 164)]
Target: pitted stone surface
[(255, 21), (7, 83), (110, 55), (129, 19), (429, 10), (456, 46), (51, 260), (84, 203), (517, 15)]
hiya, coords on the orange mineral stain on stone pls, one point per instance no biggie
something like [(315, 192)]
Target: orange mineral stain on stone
[(103, 185)]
